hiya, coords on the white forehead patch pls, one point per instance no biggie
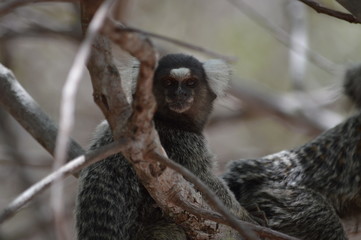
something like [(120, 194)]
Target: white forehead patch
[(180, 73)]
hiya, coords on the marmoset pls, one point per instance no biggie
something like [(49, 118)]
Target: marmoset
[(303, 192), (111, 202)]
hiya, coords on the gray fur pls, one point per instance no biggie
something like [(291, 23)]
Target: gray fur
[(112, 204), (304, 191)]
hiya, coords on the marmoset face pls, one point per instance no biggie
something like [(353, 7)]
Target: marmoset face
[(177, 82), (179, 87), (186, 88)]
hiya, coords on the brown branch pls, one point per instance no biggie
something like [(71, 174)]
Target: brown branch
[(9, 6), (353, 6), (330, 12), (15, 100), (104, 75), (144, 102)]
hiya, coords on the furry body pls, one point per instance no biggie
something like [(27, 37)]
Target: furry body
[(112, 204), (304, 191)]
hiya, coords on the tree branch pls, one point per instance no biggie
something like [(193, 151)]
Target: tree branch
[(330, 12), (15, 100), (353, 6)]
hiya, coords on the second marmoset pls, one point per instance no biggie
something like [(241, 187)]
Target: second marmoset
[(304, 191)]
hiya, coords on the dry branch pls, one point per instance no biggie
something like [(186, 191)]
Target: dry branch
[(330, 12), (353, 6), (15, 100)]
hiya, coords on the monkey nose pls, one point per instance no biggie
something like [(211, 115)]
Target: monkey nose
[(181, 95)]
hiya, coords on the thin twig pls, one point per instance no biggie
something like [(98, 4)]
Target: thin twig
[(330, 12), (229, 59), (282, 36), (9, 6), (69, 168), (144, 104), (67, 112)]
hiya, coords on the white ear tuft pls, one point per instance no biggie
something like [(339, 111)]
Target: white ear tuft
[(218, 75)]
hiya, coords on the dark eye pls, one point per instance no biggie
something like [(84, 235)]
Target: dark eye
[(168, 82), (191, 82)]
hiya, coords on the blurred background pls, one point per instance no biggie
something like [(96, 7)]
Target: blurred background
[(288, 67)]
